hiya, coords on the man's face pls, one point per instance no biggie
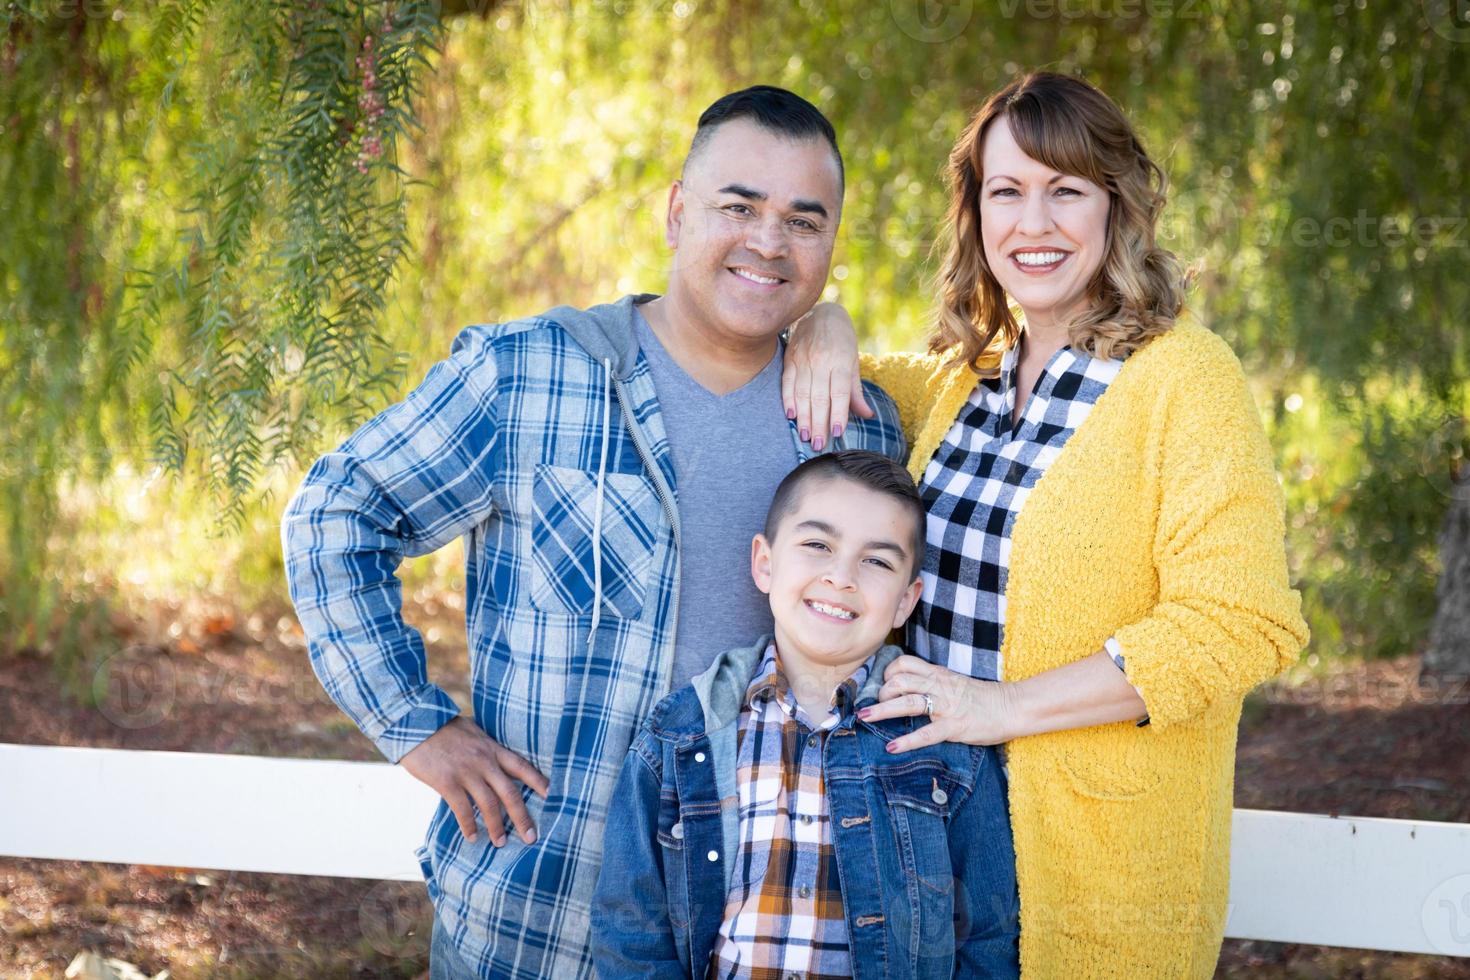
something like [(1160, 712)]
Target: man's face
[(840, 572), (752, 225)]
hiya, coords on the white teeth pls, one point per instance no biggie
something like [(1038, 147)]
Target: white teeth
[(1039, 258), (763, 280), (822, 607)]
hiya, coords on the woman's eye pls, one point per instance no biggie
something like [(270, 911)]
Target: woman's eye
[(1069, 191), (1004, 192)]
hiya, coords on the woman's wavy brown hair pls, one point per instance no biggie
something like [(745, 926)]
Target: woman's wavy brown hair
[(1073, 128)]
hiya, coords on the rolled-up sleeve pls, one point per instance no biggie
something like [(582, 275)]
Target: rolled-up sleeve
[(1226, 616)]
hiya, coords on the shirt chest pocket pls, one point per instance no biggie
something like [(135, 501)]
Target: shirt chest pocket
[(570, 539)]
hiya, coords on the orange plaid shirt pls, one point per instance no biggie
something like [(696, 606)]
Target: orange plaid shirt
[(784, 915)]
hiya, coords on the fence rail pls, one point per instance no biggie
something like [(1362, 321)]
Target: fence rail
[(1360, 882)]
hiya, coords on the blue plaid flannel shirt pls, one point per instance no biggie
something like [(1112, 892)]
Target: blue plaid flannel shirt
[(503, 444)]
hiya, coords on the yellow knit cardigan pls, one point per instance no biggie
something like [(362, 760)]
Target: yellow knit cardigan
[(1161, 523)]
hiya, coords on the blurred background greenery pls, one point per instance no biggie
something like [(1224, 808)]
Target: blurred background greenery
[(229, 230)]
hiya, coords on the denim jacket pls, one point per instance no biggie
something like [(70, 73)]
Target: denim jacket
[(922, 842)]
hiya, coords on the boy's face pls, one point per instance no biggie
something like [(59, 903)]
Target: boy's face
[(840, 573)]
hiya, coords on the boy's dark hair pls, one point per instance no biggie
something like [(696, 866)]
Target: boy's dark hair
[(775, 109), (864, 467)]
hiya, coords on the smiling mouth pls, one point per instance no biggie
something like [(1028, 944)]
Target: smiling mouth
[(756, 278), (830, 611), (1039, 261)]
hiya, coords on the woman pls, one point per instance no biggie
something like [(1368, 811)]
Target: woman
[(1141, 590)]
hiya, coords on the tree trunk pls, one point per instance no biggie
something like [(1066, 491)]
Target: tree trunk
[(1448, 655)]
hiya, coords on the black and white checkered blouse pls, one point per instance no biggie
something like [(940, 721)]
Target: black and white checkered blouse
[(973, 489)]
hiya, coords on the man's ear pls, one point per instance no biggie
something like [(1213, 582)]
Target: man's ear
[(907, 603), (760, 563), (674, 217)]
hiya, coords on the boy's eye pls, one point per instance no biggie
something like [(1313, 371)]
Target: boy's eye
[(818, 545), (881, 563)]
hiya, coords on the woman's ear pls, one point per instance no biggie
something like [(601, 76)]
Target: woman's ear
[(907, 603), (760, 563)]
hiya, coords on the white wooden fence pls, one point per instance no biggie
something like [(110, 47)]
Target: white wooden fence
[(1361, 882)]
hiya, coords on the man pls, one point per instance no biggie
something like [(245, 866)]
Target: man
[(608, 468)]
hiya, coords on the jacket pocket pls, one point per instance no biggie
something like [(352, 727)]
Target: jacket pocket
[(920, 797), (564, 518)]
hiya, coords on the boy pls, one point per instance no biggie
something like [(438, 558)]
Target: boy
[(760, 829)]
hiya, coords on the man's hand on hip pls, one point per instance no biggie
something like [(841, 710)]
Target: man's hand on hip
[(470, 769)]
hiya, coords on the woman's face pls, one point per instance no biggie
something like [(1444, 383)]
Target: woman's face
[(1044, 232)]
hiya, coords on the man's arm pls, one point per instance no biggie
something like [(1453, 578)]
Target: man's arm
[(410, 480)]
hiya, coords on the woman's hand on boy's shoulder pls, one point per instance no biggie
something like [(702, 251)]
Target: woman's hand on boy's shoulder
[(959, 708)]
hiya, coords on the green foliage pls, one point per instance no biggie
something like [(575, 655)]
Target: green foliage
[(197, 273), (203, 211)]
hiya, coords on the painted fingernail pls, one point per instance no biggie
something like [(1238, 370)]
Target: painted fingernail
[(790, 412), (817, 443), (836, 432), (864, 712), (806, 434), (891, 747)]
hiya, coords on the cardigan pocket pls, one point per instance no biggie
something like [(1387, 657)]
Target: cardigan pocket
[(1100, 774)]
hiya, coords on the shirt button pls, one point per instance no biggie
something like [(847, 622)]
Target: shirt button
[(805, 891), (811, 741), (699, 757), (806, 818), (677, 830), (713, 855), (939, 796)]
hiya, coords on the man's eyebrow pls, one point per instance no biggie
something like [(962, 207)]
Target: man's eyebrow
[(800, 204), (875, 545), (810, 207), (740, 190)]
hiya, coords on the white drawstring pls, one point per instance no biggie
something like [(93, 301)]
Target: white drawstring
[(597, 512)]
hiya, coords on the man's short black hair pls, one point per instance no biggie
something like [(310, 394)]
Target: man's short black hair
[(865, 468), (775, 109)]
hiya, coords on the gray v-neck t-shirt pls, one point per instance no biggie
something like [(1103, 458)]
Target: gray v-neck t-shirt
[(730, 453)]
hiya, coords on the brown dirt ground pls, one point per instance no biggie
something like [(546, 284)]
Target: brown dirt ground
[(1371, 740)]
